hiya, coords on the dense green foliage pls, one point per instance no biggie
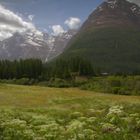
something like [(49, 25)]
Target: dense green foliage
[(112, 50), (128, 85), (30, 68), (72, 72), (71, 67)]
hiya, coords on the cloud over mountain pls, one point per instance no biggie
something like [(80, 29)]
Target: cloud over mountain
[(11, 23), (73, 23), (57, 30)]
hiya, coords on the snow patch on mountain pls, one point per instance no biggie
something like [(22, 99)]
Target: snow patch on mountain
[(33, 45), (112, 3)]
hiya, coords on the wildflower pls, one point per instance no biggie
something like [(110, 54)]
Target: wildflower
[(91, 119), (76, 125), (76, 115), (116, 110), (107, 127)]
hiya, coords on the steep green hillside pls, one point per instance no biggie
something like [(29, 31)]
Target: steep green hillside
[(110, 49), (110, 38)]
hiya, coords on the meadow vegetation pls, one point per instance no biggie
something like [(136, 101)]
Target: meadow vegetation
[(42, 113), (125, 85)]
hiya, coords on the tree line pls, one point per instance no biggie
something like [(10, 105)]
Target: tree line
[(30, 68), (36, 69)]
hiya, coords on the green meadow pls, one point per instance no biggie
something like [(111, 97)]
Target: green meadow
[(42, 113)]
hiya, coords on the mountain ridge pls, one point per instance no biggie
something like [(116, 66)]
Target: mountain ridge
[(29, 45), (114, 9), (111, 45)]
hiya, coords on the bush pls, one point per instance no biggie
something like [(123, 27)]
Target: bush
[(129, 85), (12, 81), (22, 81), (59, 83)]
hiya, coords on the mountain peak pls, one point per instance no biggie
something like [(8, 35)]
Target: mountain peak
[(114, 13)]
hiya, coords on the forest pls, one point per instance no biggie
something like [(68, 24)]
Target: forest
[(72, 72), (36, 69)]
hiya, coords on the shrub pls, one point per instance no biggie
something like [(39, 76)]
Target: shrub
[(59, 83), (129, 85), (22, 81)]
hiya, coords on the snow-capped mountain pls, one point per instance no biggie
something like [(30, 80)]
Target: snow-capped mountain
[(27, 45), (57, 44), (30, 45)]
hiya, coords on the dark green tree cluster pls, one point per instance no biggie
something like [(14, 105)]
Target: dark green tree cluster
[(35, 69), (68, 68), (30, 68)]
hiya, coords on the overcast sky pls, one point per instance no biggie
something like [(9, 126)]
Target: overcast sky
[(53, 16)]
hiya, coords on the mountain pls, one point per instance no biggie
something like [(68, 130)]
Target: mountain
[(110, 38), (58, 43), (114, 13), (26, 45), (29, 45)]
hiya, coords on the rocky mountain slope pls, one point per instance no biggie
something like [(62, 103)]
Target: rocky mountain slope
[(29, 45), (23, 46), (114, 13), (58, 43)]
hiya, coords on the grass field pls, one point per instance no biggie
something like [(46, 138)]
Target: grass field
[(42, 113)]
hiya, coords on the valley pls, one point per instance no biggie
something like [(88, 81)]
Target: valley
[(70, 70)]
